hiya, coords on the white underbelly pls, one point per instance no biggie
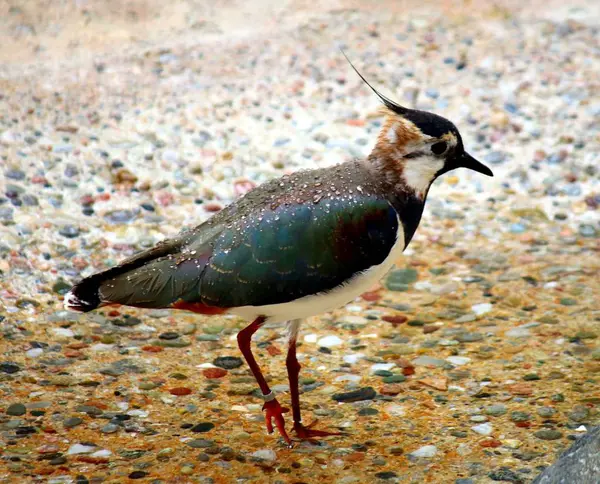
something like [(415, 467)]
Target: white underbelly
[(323, 302)]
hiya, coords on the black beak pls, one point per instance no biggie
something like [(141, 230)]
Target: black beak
[(467, 161)]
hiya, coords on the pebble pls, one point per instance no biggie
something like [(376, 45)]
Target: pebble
[(427, 451), (428, 361), (483, 429), (76, 449), (200, 443), (16, 409), (228, 362), (548, 434), (109, 428), (203, 427), (496, 410), (72, 422), (330, 341), (458, 360), (265, 454), (366, 393), (9, 368), (480, 309)]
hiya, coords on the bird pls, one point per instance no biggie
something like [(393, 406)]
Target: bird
[(294, 247)]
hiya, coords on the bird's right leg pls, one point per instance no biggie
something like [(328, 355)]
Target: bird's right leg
[(304, 432), (274, 411)]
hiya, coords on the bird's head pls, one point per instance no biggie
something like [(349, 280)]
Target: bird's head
[(418, 146), (415, 147)]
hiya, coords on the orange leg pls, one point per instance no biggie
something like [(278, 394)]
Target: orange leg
[(274, 411)]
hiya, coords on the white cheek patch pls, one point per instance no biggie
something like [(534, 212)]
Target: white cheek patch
[(419, 172)]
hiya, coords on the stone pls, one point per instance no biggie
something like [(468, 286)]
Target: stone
[(425, 360), (16, 409), (203, 427), (548, 434), (483, 429), (200, 443), (496, 410), (504, 474), (578, 464), (268, 455), (366, 393), (71, 422), (427, 451), (228, 362), (9, 367), (330, 341)]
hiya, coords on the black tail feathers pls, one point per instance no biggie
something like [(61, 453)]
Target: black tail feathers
[(83, 296)]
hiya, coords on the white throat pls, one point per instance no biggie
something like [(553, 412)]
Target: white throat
[(418, 173)]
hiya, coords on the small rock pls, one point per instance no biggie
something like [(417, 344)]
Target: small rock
[(425, 360), (109, 428), (200, 443), (228, 362), (203, 427), (16, 409), (426, 451), (496, 410), (437, 383), (265, 455), (71, 422), (81, 449), (483, 429), (9, 367), (548, 434), (546, 412), (366, 393), (458, 360), (330, 341), (504, 474)]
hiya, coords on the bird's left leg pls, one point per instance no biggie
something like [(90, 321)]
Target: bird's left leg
[(273, 411), (293, 368)]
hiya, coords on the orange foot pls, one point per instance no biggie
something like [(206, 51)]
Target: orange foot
[(274, 411), (310, 434)]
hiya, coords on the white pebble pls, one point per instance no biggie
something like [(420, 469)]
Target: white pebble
[(310, 338), (34, 352), (458, 360), (425, 451), (330, 341), (519, 332), (355, 309), (382, 366), (101, 347), (137, 413), (80, 449), (102, 453), (65, 332), (482, 429), (482, 308), (395, 410), (239, 408), (353, 358), (354, 378), (265, 454)]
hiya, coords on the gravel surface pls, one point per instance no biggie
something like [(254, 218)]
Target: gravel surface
[(476, 361)]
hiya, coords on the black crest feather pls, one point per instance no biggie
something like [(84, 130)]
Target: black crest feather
[(386, 100)]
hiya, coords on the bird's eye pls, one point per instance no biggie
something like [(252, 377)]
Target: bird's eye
[(439, 148)]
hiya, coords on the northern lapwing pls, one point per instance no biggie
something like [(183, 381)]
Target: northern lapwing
[(294, 247)]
